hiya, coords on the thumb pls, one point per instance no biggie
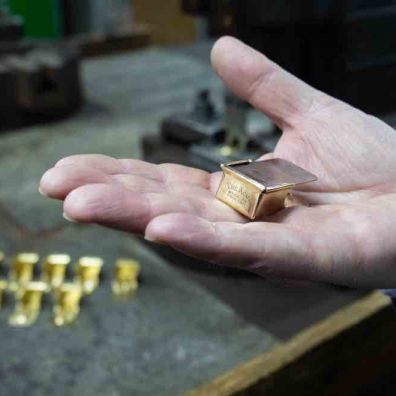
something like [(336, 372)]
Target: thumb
[(269, 88)]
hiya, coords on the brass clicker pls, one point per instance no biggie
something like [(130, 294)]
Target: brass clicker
[(259, 188)]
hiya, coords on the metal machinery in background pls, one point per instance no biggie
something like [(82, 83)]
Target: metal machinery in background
[(345, 48), (39, 82)]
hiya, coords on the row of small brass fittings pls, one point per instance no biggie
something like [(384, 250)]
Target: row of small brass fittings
[(67, 295)]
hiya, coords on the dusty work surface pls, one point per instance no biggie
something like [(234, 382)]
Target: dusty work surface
[(171, 337), (186, 325)]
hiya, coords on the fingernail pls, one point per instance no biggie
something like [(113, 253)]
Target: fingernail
[(42, 192), (66, 217), (156, 241)]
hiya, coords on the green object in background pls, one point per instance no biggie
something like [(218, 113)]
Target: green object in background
[(42, 18), (3, 5)]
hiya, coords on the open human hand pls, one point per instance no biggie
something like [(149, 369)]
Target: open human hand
[(346, 232)]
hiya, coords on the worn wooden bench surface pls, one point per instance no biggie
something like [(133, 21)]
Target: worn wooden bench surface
[(189, 329)]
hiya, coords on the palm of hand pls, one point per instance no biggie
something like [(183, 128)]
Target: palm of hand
[(348, 150), (344, 236)]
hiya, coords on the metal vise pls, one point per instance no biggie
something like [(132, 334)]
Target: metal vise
[(38, 84)]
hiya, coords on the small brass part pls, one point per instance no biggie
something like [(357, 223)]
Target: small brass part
[(259, 188), (226, 151), (54, 270), (3, 289), (22, 268), (28, 304), (67, 304), (88, 272), (125, 277), (3, 283)]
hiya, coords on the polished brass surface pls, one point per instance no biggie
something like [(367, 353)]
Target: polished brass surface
[(67, 304), (66, 296), (54, 270), (88, 272), (3, 289), (28, 304), (125, 277), (259, 188), (21, 272)]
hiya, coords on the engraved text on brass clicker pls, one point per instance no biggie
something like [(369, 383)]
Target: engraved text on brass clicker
[(237, 192)]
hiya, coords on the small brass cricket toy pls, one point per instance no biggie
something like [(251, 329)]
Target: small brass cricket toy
[(259, 188)]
